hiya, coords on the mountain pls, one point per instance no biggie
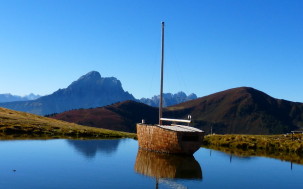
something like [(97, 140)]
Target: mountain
[(89, 91), (169, 99), (31, 96), (241, 110), (121, 116), (12, 98)]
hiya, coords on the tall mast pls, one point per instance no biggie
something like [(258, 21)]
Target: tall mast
[(161, 79)]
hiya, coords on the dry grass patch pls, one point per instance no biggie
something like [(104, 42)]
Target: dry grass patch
[(284, 147), (271, 143)]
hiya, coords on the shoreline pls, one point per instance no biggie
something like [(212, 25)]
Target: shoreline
[(282, 147)]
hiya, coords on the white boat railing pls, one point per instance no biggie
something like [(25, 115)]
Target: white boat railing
[(176, 120)]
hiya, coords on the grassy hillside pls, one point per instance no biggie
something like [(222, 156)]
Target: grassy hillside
[(121, 116), (14, 124), (241, 110)]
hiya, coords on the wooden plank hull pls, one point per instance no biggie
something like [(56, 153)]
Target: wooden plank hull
[(159, 139)]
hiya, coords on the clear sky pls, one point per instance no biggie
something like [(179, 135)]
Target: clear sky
[(210, 45)]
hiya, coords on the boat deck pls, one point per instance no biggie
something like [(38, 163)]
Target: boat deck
[(181, 128)]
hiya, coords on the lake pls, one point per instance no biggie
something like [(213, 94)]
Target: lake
[(119, 164)]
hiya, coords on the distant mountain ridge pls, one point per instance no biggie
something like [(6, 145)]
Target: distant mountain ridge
[(242, 110), (89, 91), (169, 99), (12, 98)]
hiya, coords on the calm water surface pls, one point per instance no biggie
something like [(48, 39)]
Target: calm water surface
[(119, 164)]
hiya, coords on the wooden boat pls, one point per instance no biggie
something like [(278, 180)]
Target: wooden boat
[(173, 138)]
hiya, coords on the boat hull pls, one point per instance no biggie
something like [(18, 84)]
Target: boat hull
[(165, 140)]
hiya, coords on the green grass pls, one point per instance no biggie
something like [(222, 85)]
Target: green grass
[(20, 125), (262, 142), (285, 147)]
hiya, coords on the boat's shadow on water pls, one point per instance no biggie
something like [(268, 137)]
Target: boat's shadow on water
[(166, 166)]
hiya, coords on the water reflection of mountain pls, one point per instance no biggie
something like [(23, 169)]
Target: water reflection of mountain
[(160, 165), (89, 148)]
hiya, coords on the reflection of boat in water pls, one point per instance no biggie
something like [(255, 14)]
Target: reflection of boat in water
[(161, 165), (174, 139)]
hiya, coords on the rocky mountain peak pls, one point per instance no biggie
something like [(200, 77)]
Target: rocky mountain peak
[(89, 91), (169, 99), (93, 75), (89, 80)]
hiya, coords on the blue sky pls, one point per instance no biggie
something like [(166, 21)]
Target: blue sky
[(210, 45)]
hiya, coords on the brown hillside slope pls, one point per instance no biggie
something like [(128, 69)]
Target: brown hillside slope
[(121, 116), (241, 110), (14, 124)]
